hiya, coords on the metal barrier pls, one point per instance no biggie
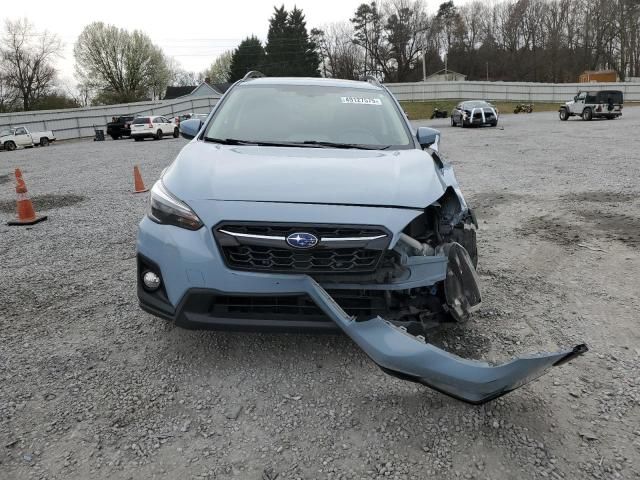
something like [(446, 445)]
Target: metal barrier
[(506, 91), (82, 122)]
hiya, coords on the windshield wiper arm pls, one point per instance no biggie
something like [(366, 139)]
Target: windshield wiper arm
[(229, 141), (259, 143), (357, 146)]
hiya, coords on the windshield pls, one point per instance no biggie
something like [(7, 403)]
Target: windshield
[(478, 104), (310, 113)]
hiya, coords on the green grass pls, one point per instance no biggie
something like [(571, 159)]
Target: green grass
[(422, 110)]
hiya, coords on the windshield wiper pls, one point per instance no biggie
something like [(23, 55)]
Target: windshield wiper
[(357, 146), (259, 143), (307, 144)]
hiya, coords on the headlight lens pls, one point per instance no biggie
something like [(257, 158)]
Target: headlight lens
[(166, 209)]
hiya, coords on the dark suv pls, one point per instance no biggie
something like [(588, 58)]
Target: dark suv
[(120, 126)]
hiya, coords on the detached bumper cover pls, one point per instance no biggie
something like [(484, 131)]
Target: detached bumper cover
[(405, 356)]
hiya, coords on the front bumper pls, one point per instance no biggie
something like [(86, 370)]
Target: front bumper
[(193, 264)]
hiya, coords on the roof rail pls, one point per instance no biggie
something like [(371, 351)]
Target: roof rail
[(371, 79), (253, 74)]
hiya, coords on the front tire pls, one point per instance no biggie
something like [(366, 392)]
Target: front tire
[(587, 114), (176, 132), (158, 135), (564, 114), (11, 146)]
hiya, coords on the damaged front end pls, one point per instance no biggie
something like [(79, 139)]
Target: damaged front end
[(444, 232), (408, 357)]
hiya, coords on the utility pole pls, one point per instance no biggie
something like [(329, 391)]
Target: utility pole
[(446, 61), (424, 67), (487, 71)]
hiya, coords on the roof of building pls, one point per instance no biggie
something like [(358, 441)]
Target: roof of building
[(447, 72), (175, 92)]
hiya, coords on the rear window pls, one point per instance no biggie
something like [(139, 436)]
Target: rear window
[(141, 121), (614, 95)]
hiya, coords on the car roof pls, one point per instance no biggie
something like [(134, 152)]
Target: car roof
[(324, 82)]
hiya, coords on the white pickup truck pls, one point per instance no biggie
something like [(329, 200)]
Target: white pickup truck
[(13, 138)]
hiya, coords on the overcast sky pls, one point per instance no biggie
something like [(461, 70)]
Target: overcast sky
[(194, 35)]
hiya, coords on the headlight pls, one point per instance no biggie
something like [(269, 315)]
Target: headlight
[(166, 209)]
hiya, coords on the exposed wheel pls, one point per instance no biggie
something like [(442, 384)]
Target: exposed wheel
[(176, 132), (587, 114), (44, 142), (563, 114), (11, 146), (158, 134), (493, 124), (453, 124), (138, 139)]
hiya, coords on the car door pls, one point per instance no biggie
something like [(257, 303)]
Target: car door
[(458, 113), (578, 104), (22, 137), (165, 125)]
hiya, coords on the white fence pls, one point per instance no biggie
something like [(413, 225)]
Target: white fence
[(505, 91), (80, 122)]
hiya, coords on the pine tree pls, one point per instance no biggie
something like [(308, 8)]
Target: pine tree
[(289, 50), (304, 60), (278, 44), (248, 56)]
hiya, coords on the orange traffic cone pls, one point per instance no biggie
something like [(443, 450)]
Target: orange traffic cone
[(138, 183), (24, 207)]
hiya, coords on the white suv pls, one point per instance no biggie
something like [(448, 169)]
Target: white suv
[(153, 127)]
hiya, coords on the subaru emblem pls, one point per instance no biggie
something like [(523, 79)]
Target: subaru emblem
[(302, 240)]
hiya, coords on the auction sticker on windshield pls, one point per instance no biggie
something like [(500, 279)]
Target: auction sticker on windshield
[(361, 100)]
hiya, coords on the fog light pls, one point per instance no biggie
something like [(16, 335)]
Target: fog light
[(151, 281)]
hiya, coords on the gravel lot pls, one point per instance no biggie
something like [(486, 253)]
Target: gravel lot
[(92, 387)]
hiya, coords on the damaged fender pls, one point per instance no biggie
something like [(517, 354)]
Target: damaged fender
[(405, 356)]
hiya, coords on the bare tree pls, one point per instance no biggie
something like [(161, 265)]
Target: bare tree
[(122, 66), (27, 60), (220, 70), (340, 56)]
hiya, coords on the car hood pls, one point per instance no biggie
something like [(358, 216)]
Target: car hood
[(207, 171)]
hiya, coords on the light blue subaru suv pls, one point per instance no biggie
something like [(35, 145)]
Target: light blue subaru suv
[(308, 203)]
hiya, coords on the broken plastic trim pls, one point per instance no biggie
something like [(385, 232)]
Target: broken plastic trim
[(407, 357)]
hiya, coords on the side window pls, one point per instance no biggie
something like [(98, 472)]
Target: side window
[(582, 96), (20, 131), (163, 120)]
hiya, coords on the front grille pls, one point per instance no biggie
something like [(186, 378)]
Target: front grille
[(340, 248)]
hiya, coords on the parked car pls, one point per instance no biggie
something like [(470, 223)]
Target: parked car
[(474, 113), (337, 215), (120, 127), (153, 127), (180, 118), (593, 104), (188, 116), (20, 137)]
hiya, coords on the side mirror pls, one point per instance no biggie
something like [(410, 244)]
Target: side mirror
[(190, 128), (428, 137)]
